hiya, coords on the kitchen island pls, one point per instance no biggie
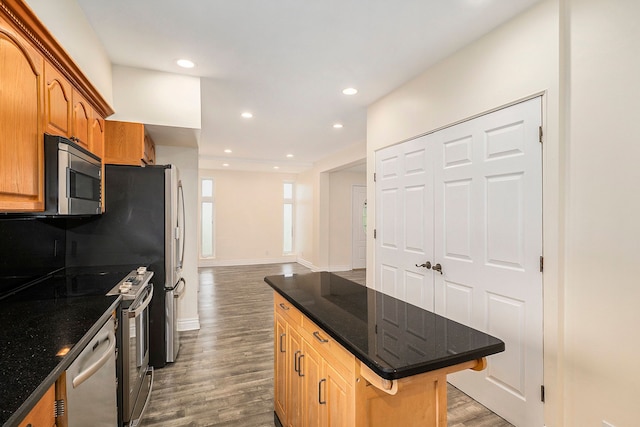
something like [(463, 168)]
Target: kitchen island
[(349, 355), (45, 326)]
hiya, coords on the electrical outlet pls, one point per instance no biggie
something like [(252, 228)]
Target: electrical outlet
[(607, 424)]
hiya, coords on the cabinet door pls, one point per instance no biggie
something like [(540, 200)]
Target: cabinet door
[(311, 366), (82, 114), (294, 380), (280, 368), (42, 413), (57, 102), (149, 151), (96, 136), (124, 143), (336, 394), (21, 139)]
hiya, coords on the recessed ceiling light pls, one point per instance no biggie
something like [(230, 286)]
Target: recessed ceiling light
[(228, 151), (247, 115), (276, 167), (185, 63), (350, 91), (337, 126), (225, 164), (289, 156)]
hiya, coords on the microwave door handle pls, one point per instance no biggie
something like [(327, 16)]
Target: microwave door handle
[(131, 313), (87, 373)]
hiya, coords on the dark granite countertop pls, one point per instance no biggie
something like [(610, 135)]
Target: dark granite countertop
[(37, 323), (393, 338)]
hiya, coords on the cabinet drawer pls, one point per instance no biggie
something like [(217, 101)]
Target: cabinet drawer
[(286, 309), (328, 347)]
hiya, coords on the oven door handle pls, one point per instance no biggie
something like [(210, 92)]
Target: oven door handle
[(131, 313), (87, 373)]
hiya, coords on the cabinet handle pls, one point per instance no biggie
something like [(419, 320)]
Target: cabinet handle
[(319, 338), (296, 367), (282, 350), (284, 307), (320, 401), (300, 365)]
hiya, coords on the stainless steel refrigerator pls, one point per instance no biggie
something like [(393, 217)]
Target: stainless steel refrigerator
[(143, 225)]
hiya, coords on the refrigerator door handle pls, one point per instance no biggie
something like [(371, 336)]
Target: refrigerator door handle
[(179, 288), (181, 227)]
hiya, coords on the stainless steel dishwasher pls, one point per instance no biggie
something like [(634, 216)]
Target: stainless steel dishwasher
[(92, 384)]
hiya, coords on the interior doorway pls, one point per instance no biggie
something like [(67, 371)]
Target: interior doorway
[(358, 227)]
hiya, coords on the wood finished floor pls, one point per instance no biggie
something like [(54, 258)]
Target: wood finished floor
[(224, 372)]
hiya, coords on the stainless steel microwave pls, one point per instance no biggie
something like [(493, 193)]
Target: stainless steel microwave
[(73, 178)]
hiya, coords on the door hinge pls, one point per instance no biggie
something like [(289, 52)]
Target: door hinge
[(374, 233), (541, 264), (542, 393), (58, 408), (374, 177), (540, 134)]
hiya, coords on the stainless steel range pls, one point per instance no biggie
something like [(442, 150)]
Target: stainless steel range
[(136, 376)]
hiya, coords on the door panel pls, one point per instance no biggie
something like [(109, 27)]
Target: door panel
[(404, 193), (358, 224), (496, 286)]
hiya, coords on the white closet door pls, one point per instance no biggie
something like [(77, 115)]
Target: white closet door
[(404, 215), (488, 239)]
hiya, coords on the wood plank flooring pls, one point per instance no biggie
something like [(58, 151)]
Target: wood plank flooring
[(224, 372)]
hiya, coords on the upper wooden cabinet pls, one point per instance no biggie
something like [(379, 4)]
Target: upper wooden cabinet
[(57, 102), (81, 120), (126, 144), (41, 90), (21, 142)]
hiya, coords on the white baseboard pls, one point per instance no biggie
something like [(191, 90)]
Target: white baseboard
[(192, 324), (313, 267), (335, 268), (255, 261)]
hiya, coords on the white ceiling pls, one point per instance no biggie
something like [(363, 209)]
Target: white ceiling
[(287, 62)]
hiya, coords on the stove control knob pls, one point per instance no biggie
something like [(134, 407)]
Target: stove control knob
[(142, 270)]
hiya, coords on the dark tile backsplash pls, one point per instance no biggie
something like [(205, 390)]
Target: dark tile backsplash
[(30, 248)]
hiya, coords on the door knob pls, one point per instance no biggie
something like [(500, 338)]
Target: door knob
[(426, 265), (438, 268)]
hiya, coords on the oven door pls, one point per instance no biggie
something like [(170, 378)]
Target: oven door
[(137, 388)]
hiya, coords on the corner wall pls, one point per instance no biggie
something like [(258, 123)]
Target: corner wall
[(603, 232)]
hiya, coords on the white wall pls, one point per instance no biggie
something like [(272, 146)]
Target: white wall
[(340, 217), (248, 217), (68, 24), (186, 159), (603, 233), (313, 234), (156, 98), (513, 62)]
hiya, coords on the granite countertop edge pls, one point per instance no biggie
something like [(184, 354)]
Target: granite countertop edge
[(29, 403), (384, 372)]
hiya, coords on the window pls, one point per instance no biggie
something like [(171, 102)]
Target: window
[(288, 218), (206, 218)]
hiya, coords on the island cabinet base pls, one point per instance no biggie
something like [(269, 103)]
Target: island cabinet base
[(318, 382)]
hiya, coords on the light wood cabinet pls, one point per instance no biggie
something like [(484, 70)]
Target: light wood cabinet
[(325, 386), (21, 136), (81, 120), (42, 415), (313, 388), (42, 90), (126, 144), (57, 102)]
